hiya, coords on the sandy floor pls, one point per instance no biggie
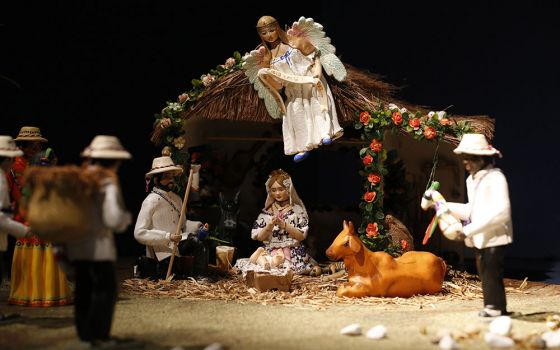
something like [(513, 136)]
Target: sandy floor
[(164, 323)]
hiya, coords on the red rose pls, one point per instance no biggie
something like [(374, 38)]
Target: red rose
[(397, 118), (376, 146), (370, 196), (404, 245), (374, 178), (445, 121), (430, 132), (372, 230), (414, 123), (364, 118), (367, 159)]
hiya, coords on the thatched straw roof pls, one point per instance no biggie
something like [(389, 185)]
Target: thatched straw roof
[(233, 98)]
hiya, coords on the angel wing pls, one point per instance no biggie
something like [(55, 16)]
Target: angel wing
[(307, 28), (252, 63)]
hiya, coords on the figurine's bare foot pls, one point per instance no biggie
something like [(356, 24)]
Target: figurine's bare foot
[(255, 256), (316, 271)]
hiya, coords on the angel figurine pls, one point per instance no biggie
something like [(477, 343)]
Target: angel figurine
[(287, 72)]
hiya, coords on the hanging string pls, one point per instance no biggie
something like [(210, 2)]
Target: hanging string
[(434, 166)]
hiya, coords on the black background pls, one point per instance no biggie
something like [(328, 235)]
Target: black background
[(79, 69)]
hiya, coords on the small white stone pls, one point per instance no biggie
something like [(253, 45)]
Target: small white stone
[(498, 341), (214, 346), (377, 332), (351, 329), (472, 329), (551, 338), (501, 325), (447, 343)]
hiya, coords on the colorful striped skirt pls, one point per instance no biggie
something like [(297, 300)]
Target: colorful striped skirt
[(37, 280)]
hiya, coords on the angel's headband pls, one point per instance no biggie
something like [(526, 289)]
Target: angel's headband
[(266, 21)]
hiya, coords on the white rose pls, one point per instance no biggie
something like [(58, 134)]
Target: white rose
[(404, 110), (179, 142), (431, 114), (230, 62), (393, 106), (207, 79), (441, 115)]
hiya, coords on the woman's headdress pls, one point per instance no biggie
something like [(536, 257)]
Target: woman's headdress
[(285, 180)]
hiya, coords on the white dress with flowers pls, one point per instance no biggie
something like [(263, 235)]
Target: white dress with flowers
[(300, 261), (305, 123)]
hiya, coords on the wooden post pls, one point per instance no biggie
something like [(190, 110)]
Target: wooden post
[(180, 223)]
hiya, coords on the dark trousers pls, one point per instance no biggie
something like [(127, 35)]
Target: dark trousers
[(490, 266), (198, 249), (95, 298)]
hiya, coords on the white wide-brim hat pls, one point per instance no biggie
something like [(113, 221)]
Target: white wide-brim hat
[(8, 147), (476, 144), (105, 147), (164, 165), (30, 133)]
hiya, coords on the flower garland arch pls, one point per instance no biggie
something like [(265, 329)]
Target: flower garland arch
[(169, 132)]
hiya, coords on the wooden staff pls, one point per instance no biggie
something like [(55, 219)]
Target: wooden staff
[(180, 223)]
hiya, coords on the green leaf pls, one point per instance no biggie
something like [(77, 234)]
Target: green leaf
[(363, 151), (379, 215), (369, 206), (358, 125), (196, 83), (237, 56)]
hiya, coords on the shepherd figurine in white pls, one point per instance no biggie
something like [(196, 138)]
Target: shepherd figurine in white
[(487, 217)]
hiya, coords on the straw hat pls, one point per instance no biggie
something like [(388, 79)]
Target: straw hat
[(30, 133), (106, 147), (476, 144), (163, 165), (8, 147)]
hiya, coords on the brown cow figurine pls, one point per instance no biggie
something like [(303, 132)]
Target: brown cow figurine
[(378, 274)]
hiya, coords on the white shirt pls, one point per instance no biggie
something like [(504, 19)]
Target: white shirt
[(109, 215), (488, 210), (157, 219), (7, 224)]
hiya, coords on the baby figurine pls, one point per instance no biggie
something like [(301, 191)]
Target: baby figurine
[(265, 260)]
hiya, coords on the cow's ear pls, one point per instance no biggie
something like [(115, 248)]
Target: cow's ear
[(354, 243), (351, 227), (344, 225)]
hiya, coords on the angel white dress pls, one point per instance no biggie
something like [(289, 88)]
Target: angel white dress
[(305, 123)]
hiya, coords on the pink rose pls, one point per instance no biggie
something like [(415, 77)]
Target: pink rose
[(374, 178), (414, 123), (430, 132), (372, 230), (364, 118), (376, 146), (183, 97), (367, 159), (397, 118), (370, 196)]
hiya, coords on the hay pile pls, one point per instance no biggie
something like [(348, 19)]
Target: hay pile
[(306, 292)]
